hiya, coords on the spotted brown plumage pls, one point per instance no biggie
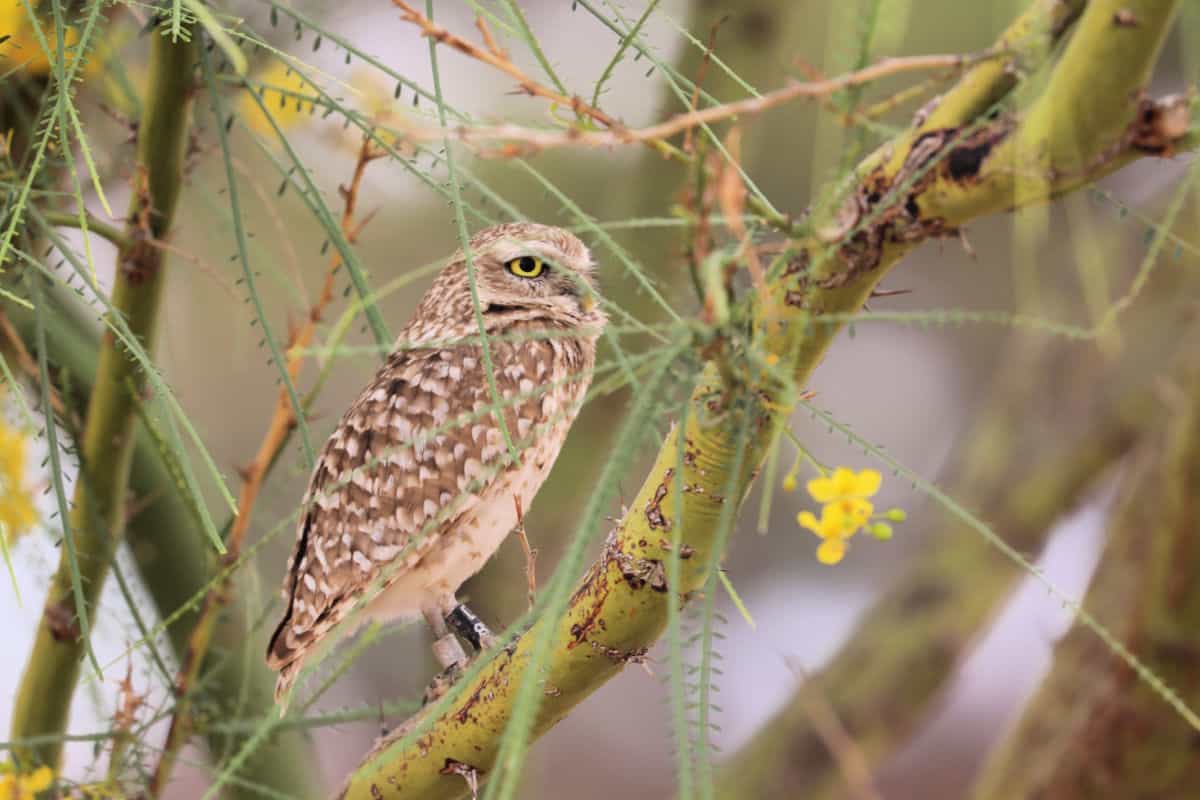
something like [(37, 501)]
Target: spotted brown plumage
[(417, 486)]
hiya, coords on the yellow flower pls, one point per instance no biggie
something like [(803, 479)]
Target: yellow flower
[(849, 490), (833, 523), (845, 509), (17, 513), (831, 551), (834, 528), (374, 99), (23, 786), (22, 49), (845, 483), (282, 90)]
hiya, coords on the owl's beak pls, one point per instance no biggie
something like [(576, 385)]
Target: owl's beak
[(587, 303)]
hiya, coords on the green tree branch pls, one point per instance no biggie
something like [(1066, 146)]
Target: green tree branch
[(883, 682), (1094, 729), (177, 565), (1057, 417), (924, 185), (97, 515)]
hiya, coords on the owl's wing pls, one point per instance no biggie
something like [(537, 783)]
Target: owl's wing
[(410, 456)]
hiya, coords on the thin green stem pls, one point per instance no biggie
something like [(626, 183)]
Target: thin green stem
[(464, 239), (102, 229)]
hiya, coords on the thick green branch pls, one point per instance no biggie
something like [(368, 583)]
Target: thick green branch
[(98, 507), (177, 564), (1095, 729), (621, 606), (1091, 118), (884, 681)]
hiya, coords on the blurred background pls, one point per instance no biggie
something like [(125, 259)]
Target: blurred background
[(973, 407)]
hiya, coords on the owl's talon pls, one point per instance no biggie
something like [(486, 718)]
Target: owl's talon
[(441, 683)]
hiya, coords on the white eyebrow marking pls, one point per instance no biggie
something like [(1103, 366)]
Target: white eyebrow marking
[(508, 249)]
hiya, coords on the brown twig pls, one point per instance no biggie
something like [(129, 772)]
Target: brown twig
[(851, 761), (530, 553), (496, 57), (283, 419), (700, 75), (731, 196), (13, 343), (655, 135), (489, 40), (124, 718)]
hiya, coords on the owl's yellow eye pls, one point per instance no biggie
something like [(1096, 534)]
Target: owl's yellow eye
[(526, 266)]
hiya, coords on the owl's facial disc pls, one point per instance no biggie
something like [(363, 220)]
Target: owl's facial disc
[(534, 275)]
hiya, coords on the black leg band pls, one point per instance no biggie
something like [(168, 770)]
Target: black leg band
[(466, 624)]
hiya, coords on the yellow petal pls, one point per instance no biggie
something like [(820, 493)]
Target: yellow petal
[(805, 519), (280, 87), (831, 551), (822, 489), (39, 780), (844, 481), (866, 483)]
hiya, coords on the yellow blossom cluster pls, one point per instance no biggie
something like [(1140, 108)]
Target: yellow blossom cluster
[(22, 50), (17, 785), (846, 508), (17, 513), (283, 91), (286, 97)]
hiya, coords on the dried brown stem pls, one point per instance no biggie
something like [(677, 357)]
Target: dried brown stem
[(731, 195), (694, 103), (852, 763), (11, 342), (496, 57), (655, 135), (283, 420)]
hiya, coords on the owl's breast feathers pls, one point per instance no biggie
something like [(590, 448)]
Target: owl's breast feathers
[(416, 451)]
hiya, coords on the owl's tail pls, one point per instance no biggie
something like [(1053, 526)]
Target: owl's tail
[(283, 684), (285, 655)]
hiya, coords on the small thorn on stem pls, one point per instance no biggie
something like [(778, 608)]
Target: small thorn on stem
[(888, 292), (966, 244)]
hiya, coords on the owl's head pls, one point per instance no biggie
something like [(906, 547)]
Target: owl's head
[(524, 272)]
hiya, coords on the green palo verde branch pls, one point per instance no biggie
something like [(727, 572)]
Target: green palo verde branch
[(887, 676), (1089, 710), (177, 564), (957, 162), (97, 512)]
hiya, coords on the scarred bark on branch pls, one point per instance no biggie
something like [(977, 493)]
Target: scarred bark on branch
[(920, 186)]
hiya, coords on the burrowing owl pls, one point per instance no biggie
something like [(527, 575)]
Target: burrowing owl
[(418, 485)]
